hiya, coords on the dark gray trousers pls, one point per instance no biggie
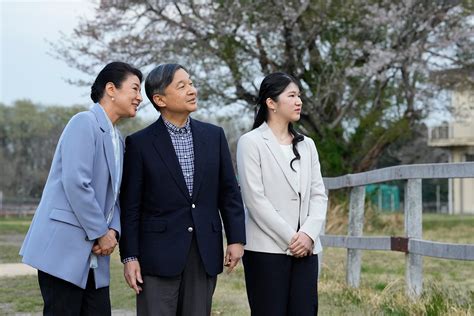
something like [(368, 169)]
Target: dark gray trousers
[(188, 294)]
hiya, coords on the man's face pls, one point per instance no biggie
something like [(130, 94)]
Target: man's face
[(181, 95)]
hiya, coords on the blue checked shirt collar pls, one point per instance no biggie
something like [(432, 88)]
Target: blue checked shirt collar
[(178, 130)]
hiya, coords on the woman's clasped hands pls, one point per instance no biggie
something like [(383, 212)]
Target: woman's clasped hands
[(301, 245)]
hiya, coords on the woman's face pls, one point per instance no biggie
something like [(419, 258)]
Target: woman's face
[(289, 104), (128, 97)]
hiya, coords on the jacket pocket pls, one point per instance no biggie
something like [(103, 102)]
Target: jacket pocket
[(64, 216), (154, 226)]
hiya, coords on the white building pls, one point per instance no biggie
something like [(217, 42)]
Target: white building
[(458, 134)]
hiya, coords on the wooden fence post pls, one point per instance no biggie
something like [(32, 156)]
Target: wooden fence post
[(413, 229), (356, 224)]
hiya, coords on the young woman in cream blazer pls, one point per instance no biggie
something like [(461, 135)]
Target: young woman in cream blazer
[(284, 193)]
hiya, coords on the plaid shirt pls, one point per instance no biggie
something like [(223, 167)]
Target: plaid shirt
[(182, 140)]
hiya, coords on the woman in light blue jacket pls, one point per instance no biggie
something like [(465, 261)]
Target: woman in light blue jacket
[(77, 223)]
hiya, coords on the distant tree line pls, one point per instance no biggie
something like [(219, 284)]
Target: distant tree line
[(28, 137), (29, 134)]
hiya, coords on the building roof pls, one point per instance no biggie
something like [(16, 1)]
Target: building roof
[(454, 78)]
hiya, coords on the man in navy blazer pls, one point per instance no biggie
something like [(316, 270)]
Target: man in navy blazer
[(178, 188), (77, 223)]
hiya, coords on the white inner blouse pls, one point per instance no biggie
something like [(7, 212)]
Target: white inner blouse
[(289, 155)]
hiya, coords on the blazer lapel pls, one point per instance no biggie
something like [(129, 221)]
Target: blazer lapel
[(277, 153), (122, 149), (305, 166), (107, 141), (200, 154), (164, 148)]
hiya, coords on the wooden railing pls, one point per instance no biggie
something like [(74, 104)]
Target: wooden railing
[(412, 243)]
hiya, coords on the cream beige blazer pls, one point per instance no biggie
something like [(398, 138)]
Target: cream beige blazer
[(273, 203)]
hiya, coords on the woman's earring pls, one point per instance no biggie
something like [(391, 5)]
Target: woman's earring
[(113, 99), (274, 110)]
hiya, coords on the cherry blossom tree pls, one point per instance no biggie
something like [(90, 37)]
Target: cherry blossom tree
[(364, 64)]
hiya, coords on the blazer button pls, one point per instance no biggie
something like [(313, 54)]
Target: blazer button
[(193, 206), (190, 229)]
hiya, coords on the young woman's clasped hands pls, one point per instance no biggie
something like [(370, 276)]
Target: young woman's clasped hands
[(301, 245)]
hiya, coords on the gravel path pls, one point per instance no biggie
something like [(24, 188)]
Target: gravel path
[(15, 269)]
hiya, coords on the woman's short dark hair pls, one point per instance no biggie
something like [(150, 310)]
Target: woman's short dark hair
[(160, 78), (115, 72), (271, 87)]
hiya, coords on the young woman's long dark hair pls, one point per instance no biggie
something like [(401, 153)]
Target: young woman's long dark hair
[(272, 86)]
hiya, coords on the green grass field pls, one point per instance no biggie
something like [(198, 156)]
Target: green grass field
[(448, 284)]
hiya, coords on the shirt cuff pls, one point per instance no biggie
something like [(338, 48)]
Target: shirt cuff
[(129, 259)]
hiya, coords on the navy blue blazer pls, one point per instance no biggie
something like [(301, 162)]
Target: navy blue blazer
[(157, 212)]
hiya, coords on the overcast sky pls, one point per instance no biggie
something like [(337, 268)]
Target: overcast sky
[(26, 69)]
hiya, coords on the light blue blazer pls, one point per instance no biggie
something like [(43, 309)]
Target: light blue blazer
[(77, 197)]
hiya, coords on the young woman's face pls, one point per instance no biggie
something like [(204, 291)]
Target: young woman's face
[(289, 104), (128, 97)]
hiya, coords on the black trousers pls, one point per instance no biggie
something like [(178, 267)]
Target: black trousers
[(64, 298), (281, 285)]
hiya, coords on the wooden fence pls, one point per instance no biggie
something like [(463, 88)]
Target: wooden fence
[(412, 243)]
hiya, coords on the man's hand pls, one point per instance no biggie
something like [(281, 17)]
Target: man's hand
[(301, 245), (106, 243), (233, 254), (132, 274)]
